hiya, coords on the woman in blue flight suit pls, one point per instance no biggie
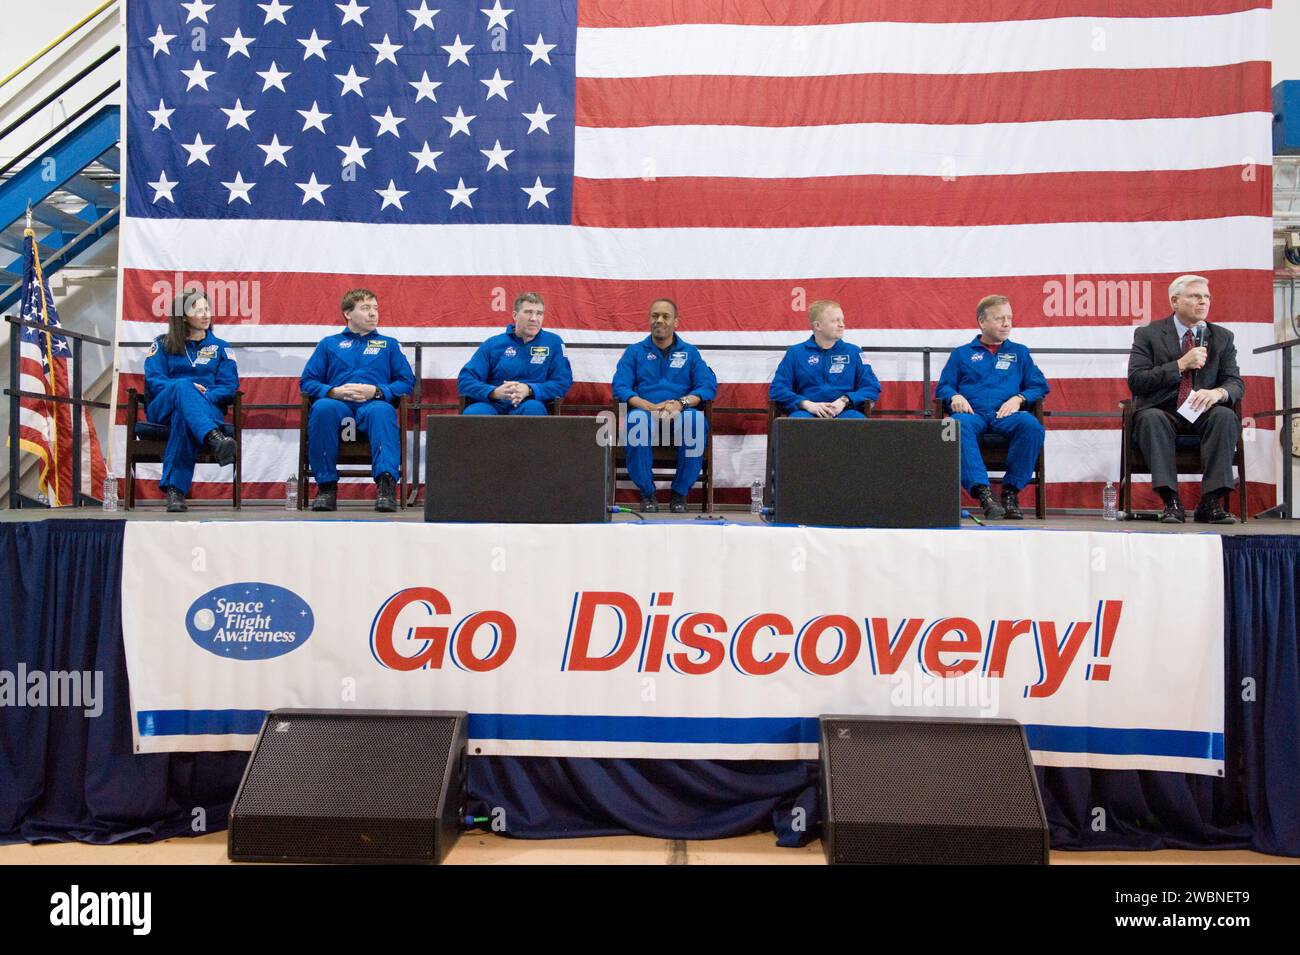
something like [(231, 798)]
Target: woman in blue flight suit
[(190, 377)]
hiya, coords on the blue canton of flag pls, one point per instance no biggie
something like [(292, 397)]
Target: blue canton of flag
[(38, 306), (387, 113)]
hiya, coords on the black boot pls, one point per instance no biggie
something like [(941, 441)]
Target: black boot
[(221, 446), (1211, 511), (992, 509), (176, 501), (385, 494), (648, 505), (678, 504), (1173, 512), (327, 497), (1011, 503)]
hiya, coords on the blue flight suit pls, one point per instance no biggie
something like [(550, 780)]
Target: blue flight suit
[(987, 379), (810, 373), (191, 414), (654, 374), (349, 358), (539, 363)]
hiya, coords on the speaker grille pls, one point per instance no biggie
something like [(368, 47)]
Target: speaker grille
[(348, 786), (922, 791)]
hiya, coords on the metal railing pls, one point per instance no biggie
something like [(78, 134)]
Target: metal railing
[(419, 406)]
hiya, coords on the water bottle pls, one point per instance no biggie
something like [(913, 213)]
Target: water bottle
[(291, 493), (1109, 497), (110, 492), (756, 498)]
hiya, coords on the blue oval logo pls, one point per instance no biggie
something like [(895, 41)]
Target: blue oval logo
[(249, 621)]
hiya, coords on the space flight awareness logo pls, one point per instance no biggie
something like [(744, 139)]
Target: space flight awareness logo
[(249, 621)]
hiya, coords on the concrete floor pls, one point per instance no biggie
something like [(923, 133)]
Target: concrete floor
[(489, 849)]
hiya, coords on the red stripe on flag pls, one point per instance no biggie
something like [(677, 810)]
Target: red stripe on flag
[(923, 98), (649, 13), (620, 306), (706, 202)]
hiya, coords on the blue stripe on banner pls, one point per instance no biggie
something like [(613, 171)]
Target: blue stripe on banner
[(717, 730)]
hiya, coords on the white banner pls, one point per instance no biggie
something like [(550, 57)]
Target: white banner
[(679, 640)]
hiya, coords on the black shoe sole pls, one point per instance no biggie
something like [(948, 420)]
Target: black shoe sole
[(1166, 519), (319, 508), (386, 508), (1222, 521)]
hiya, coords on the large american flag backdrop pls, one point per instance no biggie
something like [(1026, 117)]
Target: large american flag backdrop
[(741, 158)]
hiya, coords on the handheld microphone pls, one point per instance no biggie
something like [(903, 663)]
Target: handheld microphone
[(1198, 334)]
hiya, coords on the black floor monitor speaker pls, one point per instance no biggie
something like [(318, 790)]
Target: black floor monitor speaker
[(919, 791), (351, 786), (521, 470), (873, 473)]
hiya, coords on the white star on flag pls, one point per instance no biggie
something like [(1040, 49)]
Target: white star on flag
[(541, 50), (424, 87), (538, 120), (351, 82), (162, 116), (311, 189), (457, 50), (313, 118), (273, 77), (198, 150), (423, 16), (198, 10), (385, 51), (496, 156), (274, 151), (239, 189), (352, 11), (538, 193), (392, 196), (461, 194), (160, 41), (497, 86), (197, 76), (314, 46), (162, 187), (497, 16), (388, 123), (459, 123), (237, 115), (238, 44), (425, 158), (274, 10), (354, 153)]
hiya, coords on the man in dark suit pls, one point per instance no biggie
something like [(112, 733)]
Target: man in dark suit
[(1183, 360)]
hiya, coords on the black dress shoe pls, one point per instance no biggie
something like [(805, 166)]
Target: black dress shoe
[(176, 501), (1011, 504), (1210, 511), (678, 504), (221, 446), (648, 505), (385, 494), (327, 497), (992, 509), (1173, 513)]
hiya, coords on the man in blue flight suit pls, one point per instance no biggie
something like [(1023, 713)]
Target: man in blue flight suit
[(986, 385), (825, 376), (662, 378), (520, 370), (190, 377), (356, 374)]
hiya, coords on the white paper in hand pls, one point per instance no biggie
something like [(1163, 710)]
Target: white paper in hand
[(1188, 412)]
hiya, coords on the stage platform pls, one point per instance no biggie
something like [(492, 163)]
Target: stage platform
[(69, 580), (208, 512)]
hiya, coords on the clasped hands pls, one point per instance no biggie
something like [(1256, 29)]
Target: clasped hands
[(511, 391), (354, 392), (824, 409)]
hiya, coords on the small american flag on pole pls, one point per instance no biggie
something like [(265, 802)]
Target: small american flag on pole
[(45, 427)]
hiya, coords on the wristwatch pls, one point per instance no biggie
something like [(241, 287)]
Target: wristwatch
[(682, 401), (379, 394)]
